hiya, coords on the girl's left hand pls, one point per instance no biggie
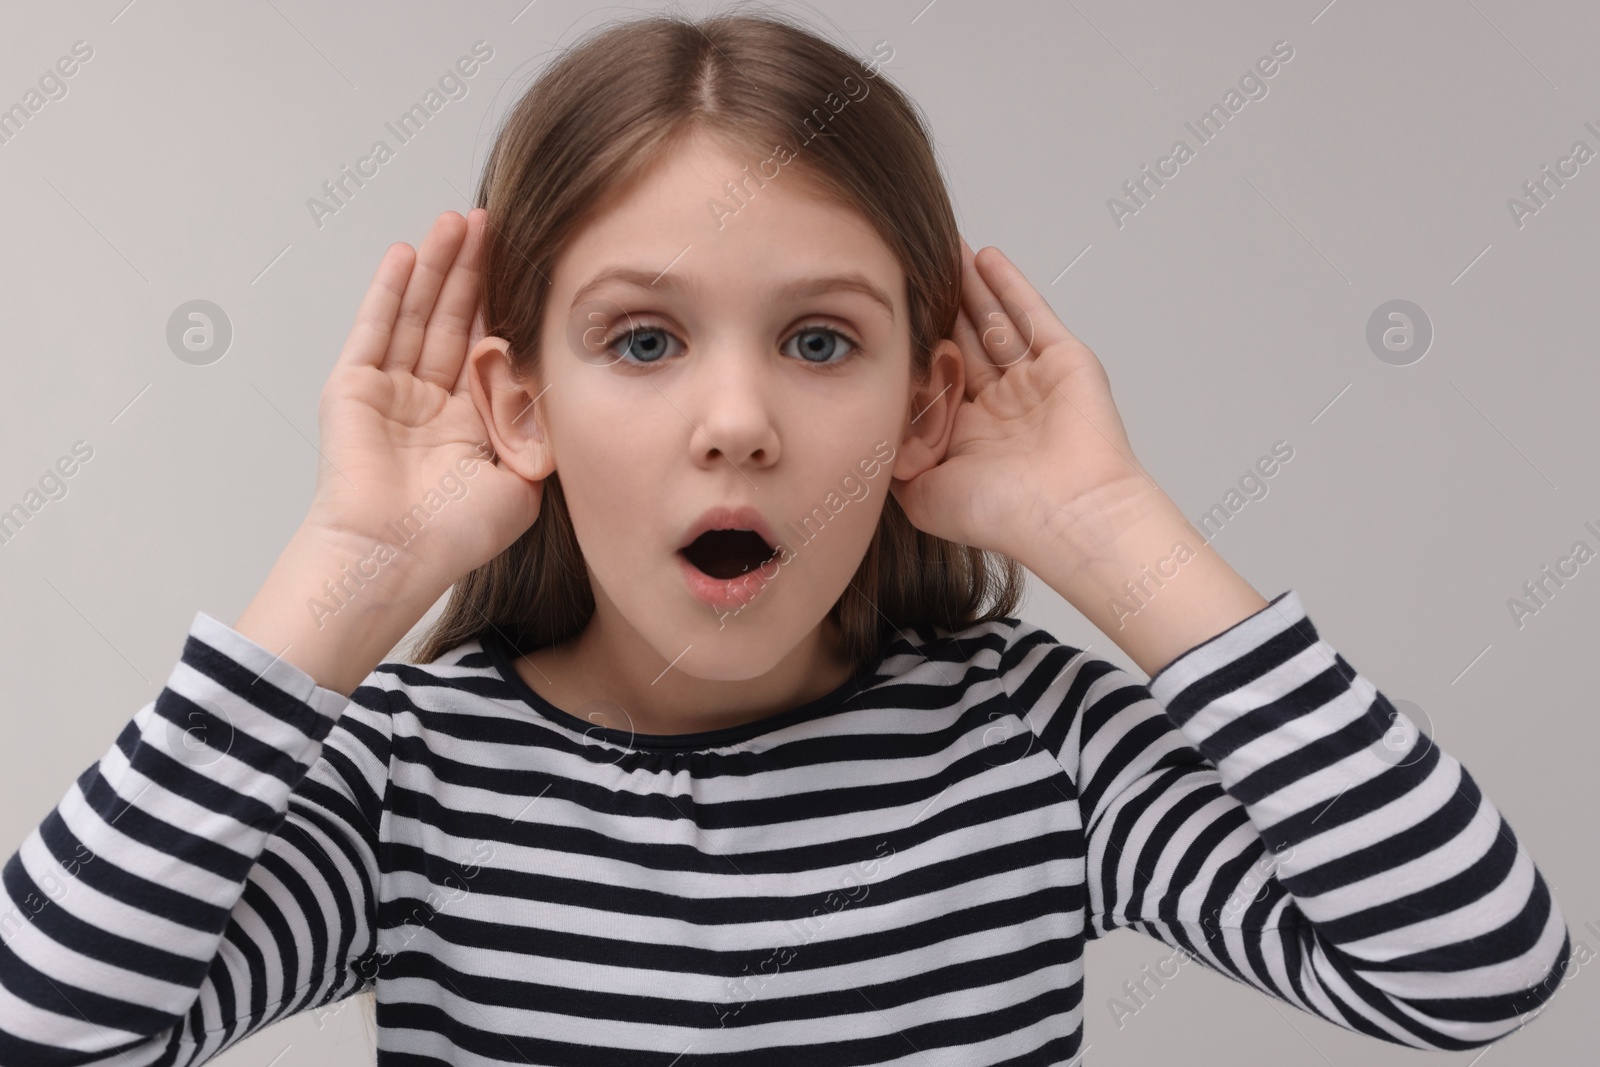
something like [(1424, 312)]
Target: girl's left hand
[(1038, 459)]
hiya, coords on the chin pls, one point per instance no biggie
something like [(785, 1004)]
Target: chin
[(743, 649)]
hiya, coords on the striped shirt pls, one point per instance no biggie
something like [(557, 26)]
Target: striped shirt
[(912, 863)]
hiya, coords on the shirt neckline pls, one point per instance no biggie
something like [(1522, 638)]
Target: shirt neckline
[(500, 654)]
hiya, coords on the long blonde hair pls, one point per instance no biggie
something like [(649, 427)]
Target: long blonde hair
[(599, 117)]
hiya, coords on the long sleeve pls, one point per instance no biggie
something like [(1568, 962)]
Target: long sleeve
[(213, 872), (1246, 806)]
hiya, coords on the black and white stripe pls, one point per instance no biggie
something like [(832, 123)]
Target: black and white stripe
[(912, 863)]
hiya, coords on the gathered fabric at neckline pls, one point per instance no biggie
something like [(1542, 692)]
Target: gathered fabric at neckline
[(502, 656)]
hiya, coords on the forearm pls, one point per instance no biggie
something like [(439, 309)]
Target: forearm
[(1380, 887), (319, 613), (140, 895), (1152, 584)]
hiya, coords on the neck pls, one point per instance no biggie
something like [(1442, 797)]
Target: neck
[(610, 676)]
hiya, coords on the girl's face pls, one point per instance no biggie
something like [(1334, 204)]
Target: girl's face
[(768, 368)]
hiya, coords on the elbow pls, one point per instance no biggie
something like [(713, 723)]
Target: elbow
[(1473, 1006), (1493, 1019)]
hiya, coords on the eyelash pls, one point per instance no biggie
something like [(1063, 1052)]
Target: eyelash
[(812, 327)]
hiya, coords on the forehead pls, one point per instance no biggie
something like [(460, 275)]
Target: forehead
[(725, 222)]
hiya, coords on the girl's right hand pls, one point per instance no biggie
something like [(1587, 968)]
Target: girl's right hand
[(396, 416)]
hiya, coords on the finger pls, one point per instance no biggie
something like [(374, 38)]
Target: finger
[(444, 345), (980, 369), (374, 325), (438, 251), (1003, 340), (463, 386), (1029, 315)]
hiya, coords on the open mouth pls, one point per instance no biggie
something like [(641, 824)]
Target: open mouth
[(725, 554)]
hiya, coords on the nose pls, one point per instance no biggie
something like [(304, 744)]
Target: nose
[(732, 408)]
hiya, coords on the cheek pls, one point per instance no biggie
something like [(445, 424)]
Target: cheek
[(843, 502), (612, 476)]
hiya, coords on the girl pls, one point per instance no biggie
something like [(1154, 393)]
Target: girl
[(716, 753)]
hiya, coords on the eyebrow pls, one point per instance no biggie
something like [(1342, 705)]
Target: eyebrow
[(800, 288)]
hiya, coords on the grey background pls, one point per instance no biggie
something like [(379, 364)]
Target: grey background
[(1231, 313)]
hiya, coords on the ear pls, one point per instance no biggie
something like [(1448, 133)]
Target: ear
[(932, 414), (509, 409)]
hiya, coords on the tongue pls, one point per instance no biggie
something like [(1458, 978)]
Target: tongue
[(725, 554)]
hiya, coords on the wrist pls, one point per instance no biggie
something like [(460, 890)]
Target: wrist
[(1150, 582), (1090, 545), (334, 608)]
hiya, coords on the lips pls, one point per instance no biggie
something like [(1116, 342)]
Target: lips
[(727, 543), (723, 518)]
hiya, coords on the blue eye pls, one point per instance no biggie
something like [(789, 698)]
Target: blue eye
[(649, 351), (646, 345), (830, 340)]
